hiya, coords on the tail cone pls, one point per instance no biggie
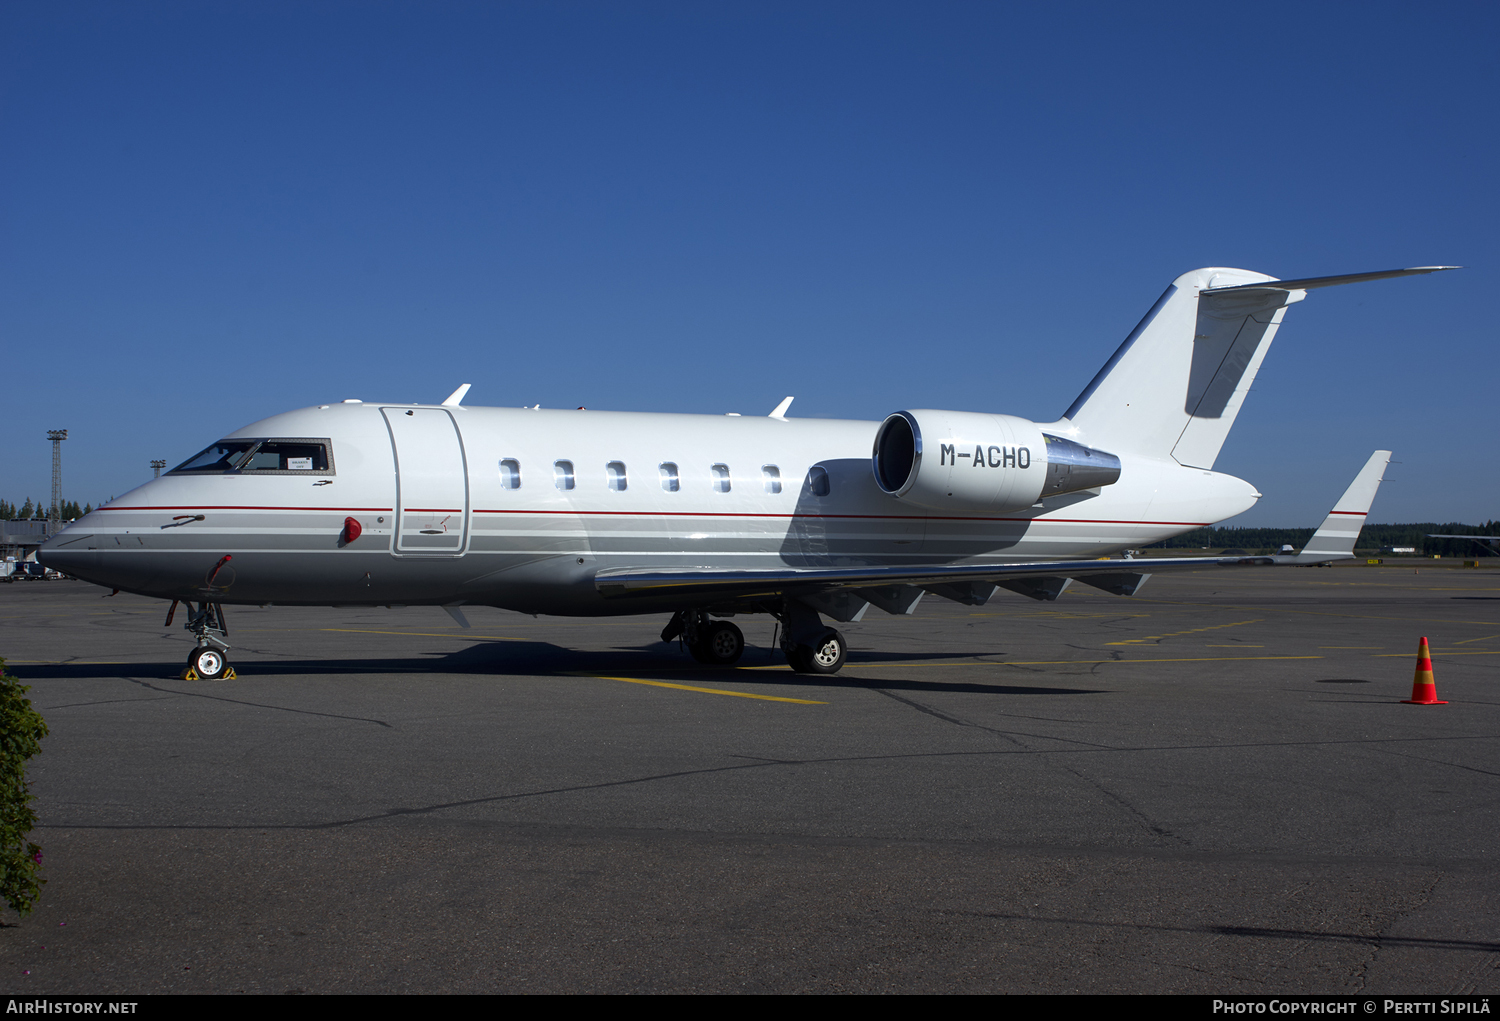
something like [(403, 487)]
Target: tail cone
[(1423, 687)]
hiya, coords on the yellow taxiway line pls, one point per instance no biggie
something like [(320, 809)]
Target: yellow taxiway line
[(706, 691)]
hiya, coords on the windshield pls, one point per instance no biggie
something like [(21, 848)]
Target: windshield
[(261, 457), (221, 457)]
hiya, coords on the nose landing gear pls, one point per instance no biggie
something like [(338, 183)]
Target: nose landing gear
[(207, 662)]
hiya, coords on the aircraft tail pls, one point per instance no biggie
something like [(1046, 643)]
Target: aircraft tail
[(1175, 387)]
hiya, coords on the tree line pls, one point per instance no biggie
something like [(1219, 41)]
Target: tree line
[(68, 510), (1371, 538)]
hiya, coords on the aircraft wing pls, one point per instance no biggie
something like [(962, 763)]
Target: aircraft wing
[(1334, 539), (844, 592), (964, 582)]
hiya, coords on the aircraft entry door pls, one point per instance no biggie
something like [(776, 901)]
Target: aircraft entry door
[(432, 481)]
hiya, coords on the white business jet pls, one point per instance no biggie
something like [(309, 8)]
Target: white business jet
[(590, 513)]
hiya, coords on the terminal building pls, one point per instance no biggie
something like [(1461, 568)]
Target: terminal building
[(19, 540)]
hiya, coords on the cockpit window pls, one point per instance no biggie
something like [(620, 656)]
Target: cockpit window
[(288, 456), (223, 456), (262, 457)]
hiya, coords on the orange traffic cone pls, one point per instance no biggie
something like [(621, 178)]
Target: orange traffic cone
[(1423, 687)]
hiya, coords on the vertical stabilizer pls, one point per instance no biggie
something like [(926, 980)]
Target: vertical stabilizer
[(1176, 385)]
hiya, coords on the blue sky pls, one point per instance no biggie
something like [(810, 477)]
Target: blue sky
[(214, 212)]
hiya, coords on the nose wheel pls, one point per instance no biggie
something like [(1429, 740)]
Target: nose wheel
[(209, 661)]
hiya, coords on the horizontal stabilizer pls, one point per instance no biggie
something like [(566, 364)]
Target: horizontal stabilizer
[(1309, 283)]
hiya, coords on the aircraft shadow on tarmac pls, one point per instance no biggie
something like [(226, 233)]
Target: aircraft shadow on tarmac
[(532, 659)]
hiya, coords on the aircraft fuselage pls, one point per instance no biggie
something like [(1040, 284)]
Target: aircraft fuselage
[(474, 505)]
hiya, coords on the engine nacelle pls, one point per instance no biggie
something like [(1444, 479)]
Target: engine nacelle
[(975, 463)]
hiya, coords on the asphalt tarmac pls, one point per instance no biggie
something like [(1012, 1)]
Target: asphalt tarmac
[(1212, 787)]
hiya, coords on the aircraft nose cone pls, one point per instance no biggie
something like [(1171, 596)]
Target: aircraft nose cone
[(69, 552)]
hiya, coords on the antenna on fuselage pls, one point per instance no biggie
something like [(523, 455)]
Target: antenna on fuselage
[(780, 411), (457, 397)]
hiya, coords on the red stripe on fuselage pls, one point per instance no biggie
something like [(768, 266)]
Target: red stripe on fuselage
[(690, 514)]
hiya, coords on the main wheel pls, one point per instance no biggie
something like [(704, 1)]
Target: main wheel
[(719, 644), (826, 657), (209, 663)]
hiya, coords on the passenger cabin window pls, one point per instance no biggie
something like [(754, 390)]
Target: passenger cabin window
[(669, 478), (616, 472), (817, 481), (510, 473), (562, 474), (278, 456), (721, 478), (772, 476)]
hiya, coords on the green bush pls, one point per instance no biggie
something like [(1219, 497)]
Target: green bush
[(21, 731)]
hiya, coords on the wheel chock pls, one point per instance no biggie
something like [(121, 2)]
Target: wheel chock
[(189, 674)]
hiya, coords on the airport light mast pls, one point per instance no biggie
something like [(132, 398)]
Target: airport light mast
[(156, 467), (54, 513)]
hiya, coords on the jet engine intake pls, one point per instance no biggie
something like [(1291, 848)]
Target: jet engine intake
[(970, 463), (960, 462)]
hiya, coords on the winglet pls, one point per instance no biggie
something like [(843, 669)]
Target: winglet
[(1335, 538), (457, 397), (780, 411)]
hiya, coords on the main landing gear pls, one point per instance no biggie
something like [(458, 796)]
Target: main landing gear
[(712, 642), (824, 655), (810, 646), (209, 661)]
